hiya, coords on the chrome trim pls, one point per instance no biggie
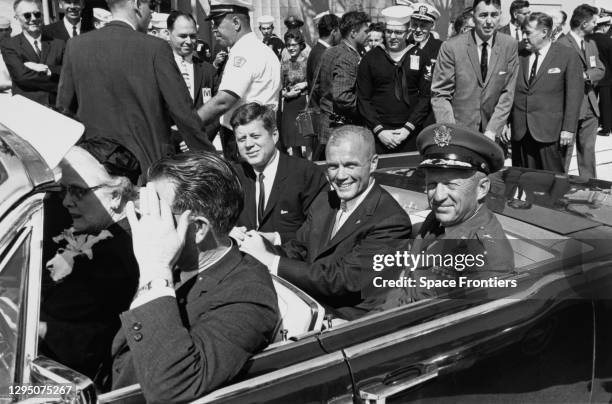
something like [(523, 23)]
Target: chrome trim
[(380, 392), (50, 370), (120, 394), (314, 308)]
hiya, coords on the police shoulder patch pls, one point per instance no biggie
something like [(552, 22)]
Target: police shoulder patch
[(239, 61)]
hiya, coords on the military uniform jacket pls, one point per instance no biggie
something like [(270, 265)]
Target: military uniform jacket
[(276, 44), (391, 94)]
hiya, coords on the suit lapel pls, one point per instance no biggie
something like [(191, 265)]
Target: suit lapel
[(572, 41), (45, 45), (250, 207), (279, 178), (197, 80), (525, 66), (550, 56), (28, 49), (473, 56), (493, 60)]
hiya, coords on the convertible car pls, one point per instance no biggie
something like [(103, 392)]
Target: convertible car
[(560, 228)]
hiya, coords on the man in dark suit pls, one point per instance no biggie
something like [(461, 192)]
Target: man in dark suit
[(33, 60), (547, 99), (278, 189), (329, 35), (116, 97), (583, 23), (519, 12), (604, 87), (475, 76), (181, 343), (331, 258), (70, 26)]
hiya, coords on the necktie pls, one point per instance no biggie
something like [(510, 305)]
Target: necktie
[(74, 31), (262, 199), (516, 33), (36, 48), (484, 55), (534, 68), (186, 74), (342, 212), (583, 49)]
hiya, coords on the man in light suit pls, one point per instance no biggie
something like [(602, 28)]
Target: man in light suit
[(278, 189), (34, 61), (180, 342), (473, 84), (124, 84), (547, 99), (331, 258), (582, 23)]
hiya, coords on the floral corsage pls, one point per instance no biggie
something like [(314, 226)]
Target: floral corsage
[(62, 263)]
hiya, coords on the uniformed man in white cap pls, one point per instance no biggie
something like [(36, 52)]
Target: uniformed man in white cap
[(101, 17), (158, 26), (5, 77), (251, 74), (266, 27), (422, 22)]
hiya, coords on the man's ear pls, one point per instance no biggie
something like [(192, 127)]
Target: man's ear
[(116, 200), (237, 23), (202, 228), (275, 136), (374, 163), (484, 185)]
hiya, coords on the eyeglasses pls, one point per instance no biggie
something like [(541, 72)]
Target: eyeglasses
[(35, 14), (77, 192), (397, 33)]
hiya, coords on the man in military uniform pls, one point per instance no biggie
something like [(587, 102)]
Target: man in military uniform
[(266, 27), (393, 86), (456, 162), (426, 52)]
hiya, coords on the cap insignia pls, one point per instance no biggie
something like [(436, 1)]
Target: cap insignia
[(423, 10), (442, 136)]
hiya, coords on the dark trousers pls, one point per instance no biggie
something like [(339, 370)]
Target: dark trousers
[(585, 146), (605, 108), (530, 153)]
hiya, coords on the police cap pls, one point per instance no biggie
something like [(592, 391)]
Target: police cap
[(219, 8), (452, 146)]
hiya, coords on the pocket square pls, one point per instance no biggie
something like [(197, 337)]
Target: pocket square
[(284, 212), (554, 70), (502, 73)]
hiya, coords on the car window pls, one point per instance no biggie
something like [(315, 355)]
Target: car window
[(13, 264)]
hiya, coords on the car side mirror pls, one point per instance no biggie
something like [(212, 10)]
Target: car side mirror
[(58, 383)]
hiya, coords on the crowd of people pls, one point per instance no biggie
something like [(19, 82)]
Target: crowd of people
[(193, 299)]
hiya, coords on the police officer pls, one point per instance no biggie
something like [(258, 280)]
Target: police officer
[(457, 162), (266, 27), (251, 73), (393, 87)]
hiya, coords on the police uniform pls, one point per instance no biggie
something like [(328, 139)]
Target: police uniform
[(451, 146), (251, 73)]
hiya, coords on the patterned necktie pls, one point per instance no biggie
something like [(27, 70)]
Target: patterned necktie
[(186, 75), (37, 48), (484, 55), (534, 67), (262, 199), (74, 31)]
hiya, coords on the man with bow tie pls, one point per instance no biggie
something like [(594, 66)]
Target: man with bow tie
[(331, 258), (547, 99)]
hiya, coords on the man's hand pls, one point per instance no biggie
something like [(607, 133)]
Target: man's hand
[(37, 67), (238, 233), (157, 242), (566, 138), (490, 134), (401, 135), (270, 236), (254, 245), (505, 135), (219, 59), (388, 138)]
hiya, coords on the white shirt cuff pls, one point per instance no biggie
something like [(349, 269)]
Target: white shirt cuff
[(273, 268), (277, 238), (152, 294)]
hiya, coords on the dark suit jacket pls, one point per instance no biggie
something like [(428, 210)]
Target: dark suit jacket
[(604, 47), (37, 86), (58, 30), (344, 82), (126, 85), (338, 272), (296, 185), (314, 59), (180, 349), (522, 44), (593, 68), (458, 93), (552, 102)]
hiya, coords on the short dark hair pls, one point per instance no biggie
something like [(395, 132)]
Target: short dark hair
[(327, 24), (460, 21), (544, 20), (353, 20), (496, 3), (296, 35), (517, 5), (247, 113), (377, 26), (564, 14), (204, 183), (582, 13), (174, 15)]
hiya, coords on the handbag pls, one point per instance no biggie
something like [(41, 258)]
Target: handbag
[(307, 121)]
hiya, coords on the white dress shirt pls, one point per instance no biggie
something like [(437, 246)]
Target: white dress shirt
[(31, 40), (68, 26), (185, 65), (543, 53), (579, 41), (514, 29), (479, 43)]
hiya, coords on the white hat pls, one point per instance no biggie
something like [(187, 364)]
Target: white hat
[(397, 15), (404, 3), (102, 15), (265, 19), (4, 22), (604, 20), (220, 8), (320, 15), (424, 11), (159, 20)]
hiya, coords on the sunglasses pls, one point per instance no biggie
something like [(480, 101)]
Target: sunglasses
[(77, 192), (35, 14)]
